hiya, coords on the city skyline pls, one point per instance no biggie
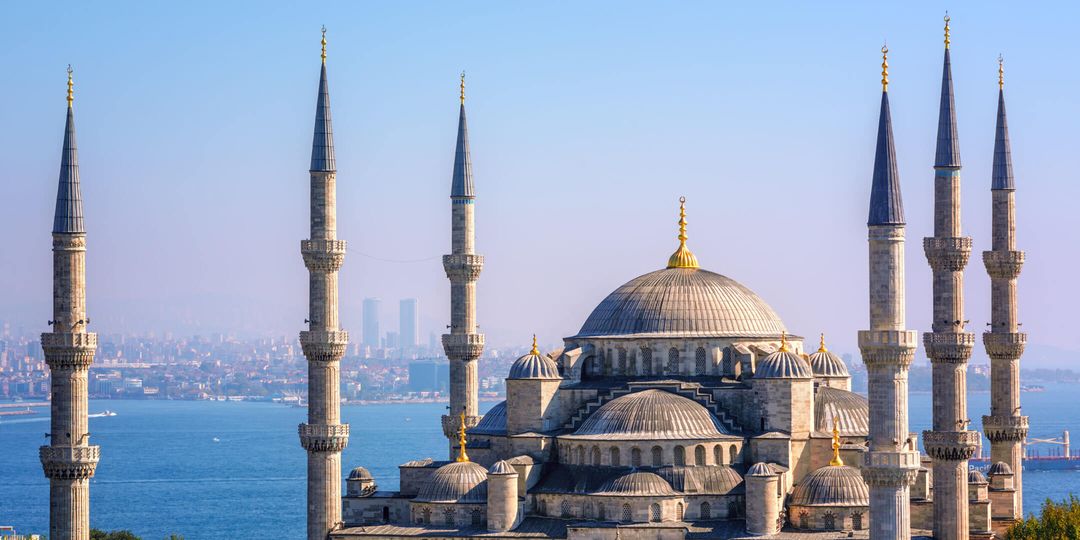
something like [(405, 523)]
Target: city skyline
[(140, 284)]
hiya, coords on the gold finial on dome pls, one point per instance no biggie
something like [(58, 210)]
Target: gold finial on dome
[(821, 344), (885, 67), (535, 351), (683, 257), (1001, 72), (947, 19), (462, 87), (783, 342), (836, 461), (462, 456), (71, 87), (324, 44)]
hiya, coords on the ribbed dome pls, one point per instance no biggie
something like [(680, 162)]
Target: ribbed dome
[(710, 480), (849, 408), (501, 467), (493, 422), (360, 473), (637, 483), (783, 365), (832, 486), (827, 364), (457, 482), (1000, 468), (976, 477), (650, 415), (682, 302), (534, 366), (760, 469)]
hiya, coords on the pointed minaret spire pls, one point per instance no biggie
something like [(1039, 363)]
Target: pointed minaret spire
[(68, 218), (1002, 176), (886, 206), (462, 183), (948, 142), (322, 145)]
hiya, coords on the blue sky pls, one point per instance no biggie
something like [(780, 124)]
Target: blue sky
[(587, 122)]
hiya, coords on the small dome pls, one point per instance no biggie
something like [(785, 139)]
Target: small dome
[(493, 422), (534, 366), (501, 467), (650, 415), (976, 477), (850, 409), (832, 486), (457, 482), (360, 473), (783, 364), (760, 469), (1000, 468), (825, 363), (709, 480), (637, 483)]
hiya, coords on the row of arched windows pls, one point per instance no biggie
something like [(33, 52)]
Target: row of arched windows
[(721, 455), (625, 512), (449, 517), (829, 521), (619, 362)]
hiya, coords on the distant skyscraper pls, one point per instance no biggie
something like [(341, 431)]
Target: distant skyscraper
[(409, 326), (371, 323)]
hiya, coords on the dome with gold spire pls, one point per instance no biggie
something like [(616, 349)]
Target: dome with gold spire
[(534, 366)]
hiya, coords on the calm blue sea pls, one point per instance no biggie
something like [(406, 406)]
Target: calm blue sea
[(162, 471)]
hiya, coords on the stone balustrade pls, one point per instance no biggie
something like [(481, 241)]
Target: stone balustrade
[(951, 445), (1003, 264), (949, 347), (1005, 428), (69, 351), (323, 255), (463, 266), (1004, 345), (69, 462), (948, 254), (888, 347), (463, 346), (323, 437), (324, 346)]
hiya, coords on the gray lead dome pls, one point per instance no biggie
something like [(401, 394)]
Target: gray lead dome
[(534, 366), (832, 486), (457, 482), (650, 415)]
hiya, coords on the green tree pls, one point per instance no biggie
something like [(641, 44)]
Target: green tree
[(1055, 520), (96, 534)]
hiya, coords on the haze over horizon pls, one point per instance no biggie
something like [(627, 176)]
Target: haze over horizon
[(587, 122)]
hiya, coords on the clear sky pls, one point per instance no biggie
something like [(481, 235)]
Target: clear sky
[(587, 121)]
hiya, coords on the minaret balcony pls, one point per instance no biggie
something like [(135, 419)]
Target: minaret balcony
[(1003, 264), (888, 347), (949, 347), (1004, 345), (891, 468), (451, 424), (1005, 428), (463, 346), (323, 437), (69, 462), (949, 254), (323, 255), (951, 445), (463, 266), (69, 351), (69, 242), (324, 346)]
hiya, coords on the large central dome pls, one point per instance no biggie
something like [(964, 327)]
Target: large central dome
[(682, 302), (650, 415)]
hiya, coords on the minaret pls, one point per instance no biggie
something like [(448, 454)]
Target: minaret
[(463, 345), (887, 347), (950, 444), (69, 460), (323, 436), (1004, 343)]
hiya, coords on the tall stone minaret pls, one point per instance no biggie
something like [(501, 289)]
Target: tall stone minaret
[(950, 444), (1005, 426), (887, 348), (323, 436), (463, 345), (69, 460)]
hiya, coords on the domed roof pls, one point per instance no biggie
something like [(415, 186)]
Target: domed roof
[(707, 480), (760, 469), (534, 366), (783, 364), (825, 363), (493, 421), (501, 467), (851, 410), (360, 473), (832, 486), (682, 302), (1000, 468), (457, 482), (976, 477), (650, 415), (638, 484)]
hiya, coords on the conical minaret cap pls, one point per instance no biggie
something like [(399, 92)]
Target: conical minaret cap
[(948, 141), (1002, 175), (886, 205), (462, 181), (68, 218), (322, 144)]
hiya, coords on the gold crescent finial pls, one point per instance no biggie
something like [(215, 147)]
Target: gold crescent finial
[(683, 257), (836, 461), (462, 87), (1001, 72), (947, 19), (462, 456), (324, 44), (535, 351), (885, 67), (71, 87), (821, 344), (783, 342)]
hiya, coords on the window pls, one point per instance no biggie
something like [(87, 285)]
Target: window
[(587, 510), (706, 511), (699, 455), (386, 514), (646, 361), (614, 455), (856, 521), (680, 455), (673, 360), (543, 507), (635, 457), (699, 356), (804, 520), (596, 455), (581, 455), (627, 513), (564, 509), (448, 517), (732, 509), (657, 456), (477, 518), (718, 454), (425, 516), (601, 513), (679, 512), (828, 521), (622, 362), (605, 363), (654, 513), (733, 454)]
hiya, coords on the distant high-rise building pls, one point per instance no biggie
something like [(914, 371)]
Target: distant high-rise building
[(371, 323), (409, 325)]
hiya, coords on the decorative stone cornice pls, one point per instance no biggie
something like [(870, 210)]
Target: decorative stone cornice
[(324, 346), (948, 254), (69, 242), (463, 346), (949, 347), (1005, 428), (1004, 345), (888, 347), (323, 255), (451, 423), (69, 462), (890, 469), (463, 266), (69, 351), (1003, 264), (951, 445), (324, 437)]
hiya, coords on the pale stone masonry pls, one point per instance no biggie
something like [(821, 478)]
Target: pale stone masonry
[(1004, 426), (887, 348), (463, 344), (69, 461), (950, 444), (323, 436)]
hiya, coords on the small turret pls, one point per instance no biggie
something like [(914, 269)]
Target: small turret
[(762, 500), (503, 507)]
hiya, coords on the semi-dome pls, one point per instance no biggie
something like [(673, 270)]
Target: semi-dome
[(457, 482), (682, 302), (493, 421), (783, 364), (849, 409), (832, 486), (534, 366), (650, 415), (976, 477), (708, 480), (825, 363), (645, 484), (360, 473)]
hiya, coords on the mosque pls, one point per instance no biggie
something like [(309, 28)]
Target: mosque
[(681, 408)]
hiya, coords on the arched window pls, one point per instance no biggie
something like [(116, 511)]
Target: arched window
[(601, 513), (654, 513), (657, 456), (699, 455), (679, 512), (632, 364), (614, 457), (635, 457), (543, 507), (627, 514), (706, 511), (605, 362), (386, 514), (856, 521), (699, 357), (581, 455), (804, 520), (622, 362), (680, 455), (828, 521), (448, 517), (733, 454), (646, 361), (596, 455), (564, 509), (477, 518), (732, 509), (587, 510), (718, 454), (426, 516), (673, 360)]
